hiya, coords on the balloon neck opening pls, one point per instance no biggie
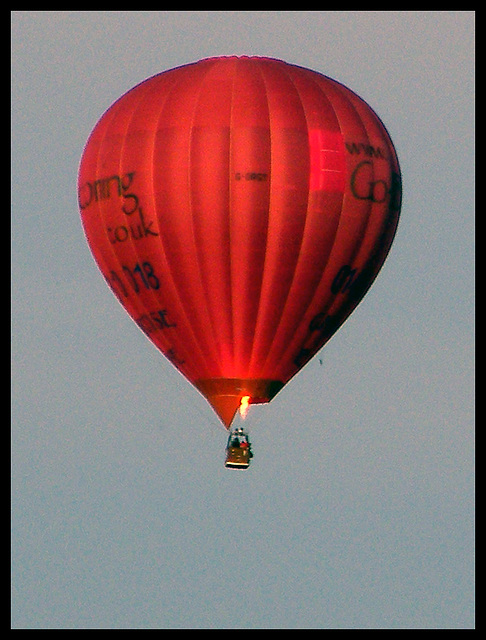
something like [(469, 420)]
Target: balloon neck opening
[(225, 395)]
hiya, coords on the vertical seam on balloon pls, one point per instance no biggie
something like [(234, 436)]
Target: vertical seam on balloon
[(255, 348), (336, 231), (284, 355), (342, 90), (151, 192), (343, 200), (324, 275), (216, 353), (161, 243), (285, 69), (138, 252), (182, 300), (230, 212), (243, 341), (343, 93), (139, 305), (100, 258), (369, 210), (377, 251)]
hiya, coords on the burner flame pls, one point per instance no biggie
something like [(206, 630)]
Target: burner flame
[(245, 402)]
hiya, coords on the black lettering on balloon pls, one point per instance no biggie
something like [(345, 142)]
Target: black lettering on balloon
[(251, 176), (303, 356), (363, 188), (154, 321), (137, 226), (135, 230), (103, 189), (321, 328), (356, 148), (171, 354), (139, 277), (343, 280), (352, 282)]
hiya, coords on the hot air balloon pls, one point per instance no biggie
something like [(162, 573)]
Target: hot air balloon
[(239, 208)]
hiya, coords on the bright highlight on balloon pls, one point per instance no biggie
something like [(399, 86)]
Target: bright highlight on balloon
[(239, 208), (245, 403)]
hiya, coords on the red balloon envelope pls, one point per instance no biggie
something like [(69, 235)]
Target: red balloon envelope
[(239, 208)]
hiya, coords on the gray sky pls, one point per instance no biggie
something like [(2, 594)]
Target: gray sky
[(123, 513)]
